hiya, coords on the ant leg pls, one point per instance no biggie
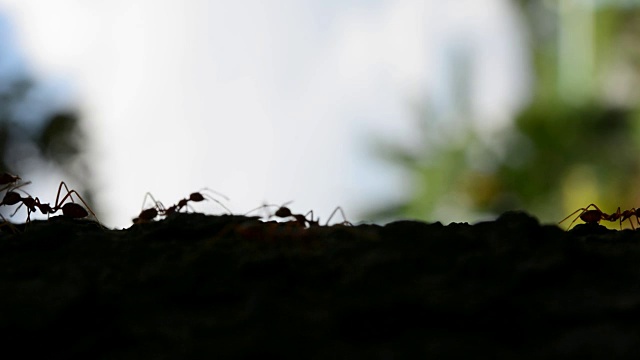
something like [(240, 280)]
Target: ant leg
[(57, 206), (62, 183), (577, 217), (634, 212), (615, 216), (345, 222), (157, 204), (18, 208), (263, 206), (310, 213)]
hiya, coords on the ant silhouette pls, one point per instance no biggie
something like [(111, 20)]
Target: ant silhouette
[(70, 210), (594, 216), (284, 212), (150, 214), (196, 197)]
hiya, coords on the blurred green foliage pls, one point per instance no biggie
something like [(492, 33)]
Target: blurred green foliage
[(40, 138), (577, 142)]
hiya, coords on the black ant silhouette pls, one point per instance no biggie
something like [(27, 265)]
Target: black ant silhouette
[(284, 212), (70, 210), (150, 214), (195, 197), (594, 216)]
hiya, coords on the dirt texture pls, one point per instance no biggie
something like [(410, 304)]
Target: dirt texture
[(201, 286)]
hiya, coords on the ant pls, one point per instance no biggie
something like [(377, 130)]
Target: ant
[(195, 197), (150, 214), (284, 212), (302, 220), (70, 210), (594, 216)]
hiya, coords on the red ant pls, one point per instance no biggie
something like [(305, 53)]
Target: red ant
[(195, 197), (302, 220), (149, 214), (594, 216), (70, 210), (284, 212), (588, 216)]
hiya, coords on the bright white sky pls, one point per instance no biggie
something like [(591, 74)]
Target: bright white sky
[(261, 100)]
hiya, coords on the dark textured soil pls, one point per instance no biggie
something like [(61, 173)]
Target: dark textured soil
[(197, 286)]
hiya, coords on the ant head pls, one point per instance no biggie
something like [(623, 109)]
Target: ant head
[(196, 196), (283, 212)]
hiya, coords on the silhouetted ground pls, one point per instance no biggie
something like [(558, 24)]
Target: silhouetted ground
[(197, 286)]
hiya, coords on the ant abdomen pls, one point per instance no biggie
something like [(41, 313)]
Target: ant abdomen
[(74, 211)]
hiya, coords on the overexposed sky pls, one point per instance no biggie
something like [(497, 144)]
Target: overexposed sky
[(263, 101)]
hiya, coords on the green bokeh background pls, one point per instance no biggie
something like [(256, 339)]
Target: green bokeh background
[(576, 142)]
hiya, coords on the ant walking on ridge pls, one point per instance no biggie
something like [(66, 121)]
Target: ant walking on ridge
[(70, 210), (595, 215), (592, 216), (196, 197), (150, 214), (284, 212)]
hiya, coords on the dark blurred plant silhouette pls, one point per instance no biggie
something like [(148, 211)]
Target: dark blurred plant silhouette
[(39, 136), (575, 143)]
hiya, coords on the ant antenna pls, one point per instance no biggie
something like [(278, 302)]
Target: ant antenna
[(209, 197), (215, 192)]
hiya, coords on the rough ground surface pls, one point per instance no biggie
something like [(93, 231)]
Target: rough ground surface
[(197, 286)]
